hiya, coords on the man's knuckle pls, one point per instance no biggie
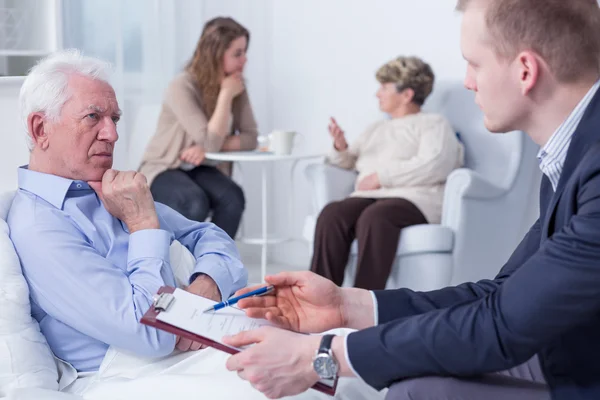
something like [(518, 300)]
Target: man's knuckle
[(255, 379), (251, 359), (271, 394)]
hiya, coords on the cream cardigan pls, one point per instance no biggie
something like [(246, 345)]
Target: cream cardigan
[(412, 156)]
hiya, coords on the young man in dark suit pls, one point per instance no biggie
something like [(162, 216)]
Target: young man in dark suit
[(533, 332)]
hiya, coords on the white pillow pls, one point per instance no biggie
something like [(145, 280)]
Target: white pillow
[(26, 360)]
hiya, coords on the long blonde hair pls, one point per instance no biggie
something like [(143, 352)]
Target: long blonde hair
[(206, 66)]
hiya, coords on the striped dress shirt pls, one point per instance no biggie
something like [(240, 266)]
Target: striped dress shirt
[(552, 156)]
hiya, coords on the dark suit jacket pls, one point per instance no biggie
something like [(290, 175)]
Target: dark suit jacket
[(545, 300)]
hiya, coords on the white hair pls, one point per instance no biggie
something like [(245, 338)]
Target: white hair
[(46, 87)]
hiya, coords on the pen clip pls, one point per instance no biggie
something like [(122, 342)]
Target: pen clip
[(270, 289)]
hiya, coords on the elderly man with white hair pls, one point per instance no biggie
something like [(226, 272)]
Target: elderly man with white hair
[(93, 245)]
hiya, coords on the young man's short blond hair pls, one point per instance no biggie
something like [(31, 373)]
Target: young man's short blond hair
[(565, 33)]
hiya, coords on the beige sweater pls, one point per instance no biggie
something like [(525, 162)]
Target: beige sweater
[(182, 123), (412, 156)]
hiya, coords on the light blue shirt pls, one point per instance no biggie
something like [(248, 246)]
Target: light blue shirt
[(91, 281), (552, 156)]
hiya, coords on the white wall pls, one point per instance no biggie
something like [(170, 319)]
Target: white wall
[(13, 151), (324, 57), (308, 60)]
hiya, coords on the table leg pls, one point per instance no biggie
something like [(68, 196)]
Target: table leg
[(292, 197), (263, 257), (242, 230)]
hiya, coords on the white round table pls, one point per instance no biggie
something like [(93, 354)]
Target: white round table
[(265, 158)]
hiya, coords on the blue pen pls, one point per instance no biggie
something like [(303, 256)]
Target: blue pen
[(258, 292)]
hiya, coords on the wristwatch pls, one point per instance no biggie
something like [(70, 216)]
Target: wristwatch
[(324, 363)]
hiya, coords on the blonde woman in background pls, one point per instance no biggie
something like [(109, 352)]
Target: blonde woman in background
[(402, 166), (206, 109)]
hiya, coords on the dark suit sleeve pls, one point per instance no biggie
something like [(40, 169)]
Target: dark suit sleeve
[(400, 303), (553, 291)]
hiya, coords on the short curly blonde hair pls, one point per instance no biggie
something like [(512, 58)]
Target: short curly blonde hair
[(408, 73)]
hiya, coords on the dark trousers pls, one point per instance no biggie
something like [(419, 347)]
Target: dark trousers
[(196, 192), (376, 224), (523, 382)]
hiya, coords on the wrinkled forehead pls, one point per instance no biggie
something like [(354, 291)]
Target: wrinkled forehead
[(92, 94)]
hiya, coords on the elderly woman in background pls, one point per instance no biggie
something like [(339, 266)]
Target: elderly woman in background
[(206, 109), (402, 165)]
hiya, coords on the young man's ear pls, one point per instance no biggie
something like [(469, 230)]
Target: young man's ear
[(529, 71), (36, 126)]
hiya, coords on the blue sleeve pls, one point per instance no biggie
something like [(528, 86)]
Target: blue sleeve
[(215, 252), (401, 303), (89, 293)]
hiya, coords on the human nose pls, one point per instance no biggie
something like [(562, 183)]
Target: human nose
[(469, 81), (109, 132)]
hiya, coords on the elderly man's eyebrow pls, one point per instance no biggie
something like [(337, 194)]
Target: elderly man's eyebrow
[(96, 108), (102, 110)]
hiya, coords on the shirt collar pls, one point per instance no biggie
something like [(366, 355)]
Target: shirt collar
[(567, 127), (51, 188)]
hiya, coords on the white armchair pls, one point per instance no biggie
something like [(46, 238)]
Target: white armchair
[(488, 205)]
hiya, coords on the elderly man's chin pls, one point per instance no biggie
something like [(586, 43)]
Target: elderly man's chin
[(98, 166)]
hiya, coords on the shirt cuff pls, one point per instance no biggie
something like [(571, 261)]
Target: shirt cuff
[(335, 156), (214, 266), (347, 355), (375, 309), (149, 243)]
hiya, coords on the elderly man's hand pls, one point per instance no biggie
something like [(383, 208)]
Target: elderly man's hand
[(279, 362), (126, 195), (369, 182), (205, 286)]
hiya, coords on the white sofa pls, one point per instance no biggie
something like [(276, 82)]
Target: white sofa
[(29, 371), (488, 205)]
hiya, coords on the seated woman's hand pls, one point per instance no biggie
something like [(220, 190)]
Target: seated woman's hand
[(193, 155), (302, 302), (233, 84), (369, 182), (339, 140)]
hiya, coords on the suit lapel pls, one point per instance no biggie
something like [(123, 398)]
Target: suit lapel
[(587, 133), (546, 193)]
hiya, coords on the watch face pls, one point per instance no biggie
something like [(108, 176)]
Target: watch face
[(325, 366)]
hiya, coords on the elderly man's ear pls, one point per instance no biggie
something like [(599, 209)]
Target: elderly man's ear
[(37, 126)]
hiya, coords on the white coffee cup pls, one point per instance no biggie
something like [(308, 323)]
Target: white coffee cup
[(281, 142)]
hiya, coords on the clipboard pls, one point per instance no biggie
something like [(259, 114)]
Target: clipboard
[(165, 299)]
